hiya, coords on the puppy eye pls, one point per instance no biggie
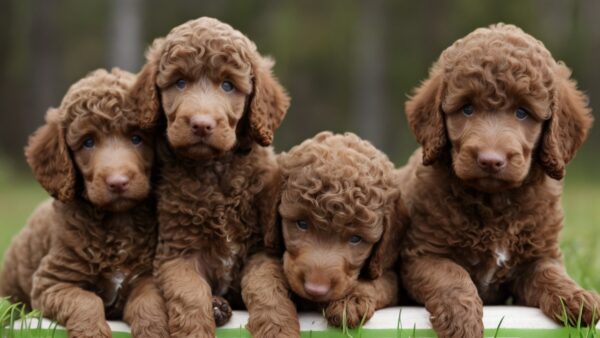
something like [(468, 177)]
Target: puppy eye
[(468, 110), (355, 239), (227, 86), (136, 139), (302, 225), (180, 84), (521, 113), (89, 143)]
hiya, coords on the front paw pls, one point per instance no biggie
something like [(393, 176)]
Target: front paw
[(88, 330), (221, 310), (352, 309), (156, 328), (457, 319), (586, 302), (273, 327)]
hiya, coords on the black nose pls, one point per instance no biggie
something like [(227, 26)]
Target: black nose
[(202, 125), (491, 161)]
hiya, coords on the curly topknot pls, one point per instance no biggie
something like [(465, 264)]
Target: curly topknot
[(344, 178), (101, 95)]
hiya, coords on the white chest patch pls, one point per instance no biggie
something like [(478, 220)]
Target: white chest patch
[(117, 280), (502, 256)]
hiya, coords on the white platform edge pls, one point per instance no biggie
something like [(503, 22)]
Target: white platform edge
[(515, 317)]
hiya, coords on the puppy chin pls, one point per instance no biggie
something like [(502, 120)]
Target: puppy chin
[(491, 185), (120, 204), (200, 149)]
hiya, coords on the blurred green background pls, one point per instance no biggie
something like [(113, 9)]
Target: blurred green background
[(347, 64)]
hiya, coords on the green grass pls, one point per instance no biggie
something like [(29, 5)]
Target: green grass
[(20, 194)]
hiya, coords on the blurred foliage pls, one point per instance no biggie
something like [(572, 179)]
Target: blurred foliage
[(318, 46)]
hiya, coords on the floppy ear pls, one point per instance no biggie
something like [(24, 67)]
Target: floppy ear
[(425, 116), (48, 157), (568, 126), (145, 91), (385, 252), (268, 105), (270, 221)]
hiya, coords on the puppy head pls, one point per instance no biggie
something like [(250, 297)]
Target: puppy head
[(499, 103), (213, 87), (337, 211), (94, 138)]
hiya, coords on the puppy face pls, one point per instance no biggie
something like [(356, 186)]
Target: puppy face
[(92, 147), (114, 160), (492, 145), (203, 111), (499, 102), (322, 262), (213, 88), (338, 215)]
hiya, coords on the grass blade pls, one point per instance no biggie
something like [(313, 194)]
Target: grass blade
[(498, 327)]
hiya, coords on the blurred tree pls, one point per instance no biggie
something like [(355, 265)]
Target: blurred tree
[(125, 38), (370, 87), (348, 65)]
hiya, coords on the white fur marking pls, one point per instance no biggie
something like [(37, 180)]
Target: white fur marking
[(117, 280), (501, 257)]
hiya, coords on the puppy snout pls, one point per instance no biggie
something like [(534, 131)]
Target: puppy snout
[(317, 290), (117, 183), (491, 161), (202, 125)]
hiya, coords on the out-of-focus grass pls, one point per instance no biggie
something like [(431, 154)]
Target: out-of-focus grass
[(580, 239), (20, 194)]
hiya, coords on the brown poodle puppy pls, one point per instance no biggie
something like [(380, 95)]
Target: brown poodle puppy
[(341, 219), (87, 255), (498, 120), (215, 95)]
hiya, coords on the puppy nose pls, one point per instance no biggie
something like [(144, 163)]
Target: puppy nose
[(117, 183), (316, 289), (491, 161), (202, 125)]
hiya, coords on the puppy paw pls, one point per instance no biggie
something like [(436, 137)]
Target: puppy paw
[(89, 330), (586, 302), (149, 329), (270, 329), (353, 308), (457, 319), (222, 310)]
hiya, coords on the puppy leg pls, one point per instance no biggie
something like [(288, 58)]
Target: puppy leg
[(80, 311), (145, 311), (188, 299), (546, 282), (266, 294), (365, 298), (448, 293)]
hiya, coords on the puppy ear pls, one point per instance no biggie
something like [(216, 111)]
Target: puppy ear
[(568, 126), (385, 252), (48, 156), (145, 91), (269, 103), (269, 215), (425, 116)]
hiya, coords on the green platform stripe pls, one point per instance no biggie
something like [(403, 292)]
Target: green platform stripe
[(333, 333)]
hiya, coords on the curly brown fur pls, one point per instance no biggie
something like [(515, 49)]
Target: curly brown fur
[(88, 254), (341, 222), (498, 120), (220, 105)]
